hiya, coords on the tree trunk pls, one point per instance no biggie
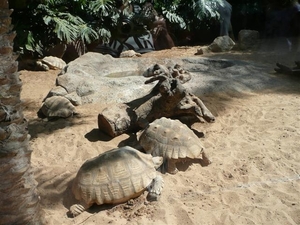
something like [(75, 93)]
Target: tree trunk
[(19, 201)]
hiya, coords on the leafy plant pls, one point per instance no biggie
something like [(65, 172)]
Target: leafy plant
[(42, 24)]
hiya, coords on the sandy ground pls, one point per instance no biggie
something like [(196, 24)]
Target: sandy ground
[(254, 145)]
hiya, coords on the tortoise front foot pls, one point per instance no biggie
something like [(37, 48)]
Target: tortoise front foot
[(76, 209), (171, 166), (205, 159), (155, 188)]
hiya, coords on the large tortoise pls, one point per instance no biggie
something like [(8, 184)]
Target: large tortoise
[(115, 177), (172, 140)]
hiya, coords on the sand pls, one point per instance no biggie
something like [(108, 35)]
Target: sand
[(254, 146)]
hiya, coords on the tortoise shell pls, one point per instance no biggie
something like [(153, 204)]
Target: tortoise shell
[(130, 54), (57, 106), (54, 62), (114, 176), (170, 139)]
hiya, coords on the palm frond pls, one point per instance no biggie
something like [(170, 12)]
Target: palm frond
[(104, 34), (87, 34), (207, 8), (101, 7), (65, 31), (32, 45), (174, 18)]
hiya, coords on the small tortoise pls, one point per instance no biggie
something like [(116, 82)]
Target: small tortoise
[(172, 140), (50, 62), (130, 54), (115, 177), (57, 106)]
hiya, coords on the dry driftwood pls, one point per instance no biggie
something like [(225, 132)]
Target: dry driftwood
[(168, 98)]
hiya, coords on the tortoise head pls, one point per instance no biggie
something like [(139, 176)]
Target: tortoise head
[(158, 161)]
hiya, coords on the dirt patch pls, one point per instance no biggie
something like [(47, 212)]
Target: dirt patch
[(254, 147)]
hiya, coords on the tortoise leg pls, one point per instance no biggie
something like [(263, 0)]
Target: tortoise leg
[(77, 209), (155, 188), (171, 166), (206, 160)]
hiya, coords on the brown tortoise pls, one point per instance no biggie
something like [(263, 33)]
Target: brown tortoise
[(172, 140), (115, 177)]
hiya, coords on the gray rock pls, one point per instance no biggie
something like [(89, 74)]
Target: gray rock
[(221, 44), (74, 98), (248, 39), (100, 78), (97, 78)]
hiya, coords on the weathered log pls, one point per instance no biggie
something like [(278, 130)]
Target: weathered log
[(116, 120), (168, 98)]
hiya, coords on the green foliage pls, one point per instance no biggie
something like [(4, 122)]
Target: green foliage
[(171, 14), (32, 44), (137, 1), (101, 7), (41, 24), (185, 13), (206, 9)]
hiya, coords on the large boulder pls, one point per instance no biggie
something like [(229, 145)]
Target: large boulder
[(221, 44), (94, 77), (97, 78)]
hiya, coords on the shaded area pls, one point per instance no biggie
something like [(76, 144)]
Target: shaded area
[(283, 69), (55, 187), (253, 72), (184, 165), (58, 188), (131, 141), (232, 77), (97, 135), (228, 159), (214, 79), (38, 126)]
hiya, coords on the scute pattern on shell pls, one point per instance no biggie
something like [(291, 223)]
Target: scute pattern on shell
[(57, 106), (171, 139), (114, 176), (54, 62), (130, 54)]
